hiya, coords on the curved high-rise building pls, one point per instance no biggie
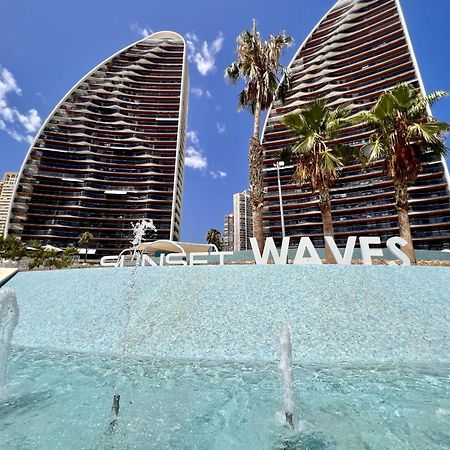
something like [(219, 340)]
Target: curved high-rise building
[(111, 152), (360, 49)]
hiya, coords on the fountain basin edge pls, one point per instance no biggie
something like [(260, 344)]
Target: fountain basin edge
[(338, 314)]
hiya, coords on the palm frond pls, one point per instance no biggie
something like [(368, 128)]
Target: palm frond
[(296, 122), (374, 150), (362, 118), (430, 132), (402, 95), (331, 163), (306, 143), (232, 72), (286, 155), (433, 97), (346, 153), (285, 85), (384, 107)]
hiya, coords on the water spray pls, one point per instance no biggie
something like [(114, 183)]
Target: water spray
[(9, 318), (139, 230), (285, 346)]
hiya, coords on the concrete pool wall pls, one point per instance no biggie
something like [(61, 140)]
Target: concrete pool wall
[(338, 314)]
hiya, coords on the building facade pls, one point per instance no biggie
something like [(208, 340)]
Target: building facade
[(238, 226), (111, 152), (243, 220), (7, 186), (360, 49), (228, 233)]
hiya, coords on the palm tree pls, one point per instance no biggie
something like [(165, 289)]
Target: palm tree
[(405, 136), (316, 158), (214, 237), (258, 64), (11, 248), (84, 241)]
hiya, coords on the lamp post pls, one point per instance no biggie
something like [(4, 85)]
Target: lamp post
[(279, 164)]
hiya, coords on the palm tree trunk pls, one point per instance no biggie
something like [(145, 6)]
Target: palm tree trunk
[(402, 206), (85, 256), (256, 179), (327, 221)]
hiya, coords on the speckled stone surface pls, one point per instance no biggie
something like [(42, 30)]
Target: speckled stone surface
[(349, 315)]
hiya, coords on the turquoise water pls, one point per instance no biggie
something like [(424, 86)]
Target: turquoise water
[(59, 401)]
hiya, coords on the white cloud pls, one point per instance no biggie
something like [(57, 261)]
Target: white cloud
[(42, 97), (142, 31), (217, 174), (198, 92), (8, 83), (220, 127), (203, 55), (19, 137), (31, 122), (195, 159), (20, 126), (192, 136)]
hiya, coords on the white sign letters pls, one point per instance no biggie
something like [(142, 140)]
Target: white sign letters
[(305, 253)]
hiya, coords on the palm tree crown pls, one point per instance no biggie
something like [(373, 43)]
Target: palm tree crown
[(214, 237), (317, 157), (258, 63), (84, 241), (405, 136)]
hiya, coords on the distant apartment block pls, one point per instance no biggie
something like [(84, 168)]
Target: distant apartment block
[(7, 186), (112, 152), (228, 232), (243, 220), (238, 226), (360, 49)]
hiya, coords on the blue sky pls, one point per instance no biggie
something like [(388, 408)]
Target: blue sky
[(46, 46)]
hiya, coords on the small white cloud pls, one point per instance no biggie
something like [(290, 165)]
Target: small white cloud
[(31, 121), (11, 119), (195, 159), (203, 55), (18, 136), (220, 127), (197, 91), (142, 31), (217, 174), (42, 97), (8, 83), (192, 136)]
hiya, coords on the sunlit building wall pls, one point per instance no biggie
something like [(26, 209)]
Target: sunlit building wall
[(7, 186)]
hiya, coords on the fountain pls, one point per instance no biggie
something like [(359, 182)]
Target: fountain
[(193, 347), (139, 230), (285, 346), (9, 316)]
